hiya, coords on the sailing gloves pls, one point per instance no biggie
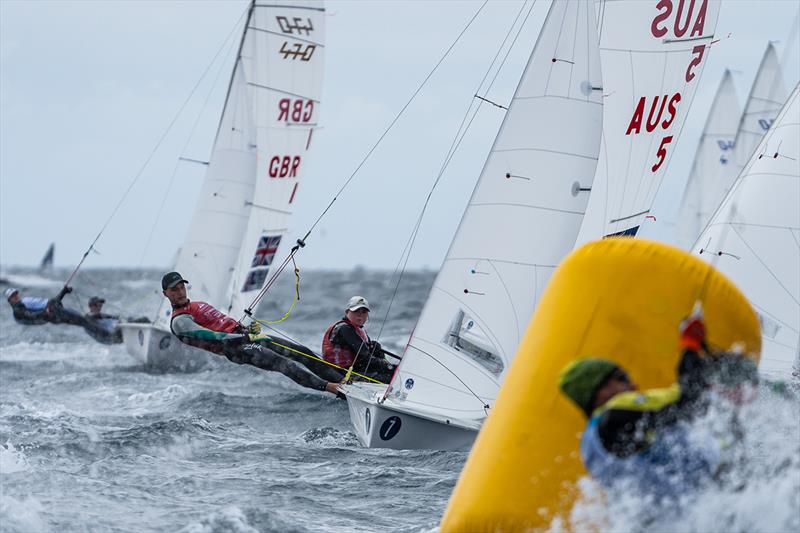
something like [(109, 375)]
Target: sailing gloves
[(254, 328)]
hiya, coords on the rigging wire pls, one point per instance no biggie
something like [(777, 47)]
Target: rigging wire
[(152, 153), (302, 242), (453, 148), (213, 85)]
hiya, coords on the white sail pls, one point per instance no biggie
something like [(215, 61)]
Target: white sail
[(754, 238), (652, 54), (766, 98), (522, 219), (713, 171), (257, 159), (283, 54)]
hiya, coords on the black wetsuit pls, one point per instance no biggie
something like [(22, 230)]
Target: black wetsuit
[(53, 312), (370, 360), (233, 342)]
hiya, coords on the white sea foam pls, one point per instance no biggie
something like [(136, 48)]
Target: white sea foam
[(156, 398), (12, 460), (22, 514), (230, 519), (32, 281)]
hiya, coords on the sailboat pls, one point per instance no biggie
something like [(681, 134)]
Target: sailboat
[(47, 259), (713, 170), (720, 155), (767, 96), (754, 237), (514, 232), (259, 156), (537, 177)]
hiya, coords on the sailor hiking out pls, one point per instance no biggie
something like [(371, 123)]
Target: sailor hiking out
[(34, 311), (640, 439), (200, 325), (346, 344)]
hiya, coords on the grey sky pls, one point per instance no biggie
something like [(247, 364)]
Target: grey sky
[(87, 88)]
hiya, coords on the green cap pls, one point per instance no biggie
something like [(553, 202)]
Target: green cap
[(579, 380)]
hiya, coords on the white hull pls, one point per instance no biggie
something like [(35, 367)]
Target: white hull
[(158, 348), (387, 425)]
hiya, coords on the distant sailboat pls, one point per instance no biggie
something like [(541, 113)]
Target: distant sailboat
[(259, 156), (713, 171), (754, 238), (765, 101), (47, 260)]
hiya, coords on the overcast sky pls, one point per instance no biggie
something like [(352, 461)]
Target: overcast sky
[(88, 88)]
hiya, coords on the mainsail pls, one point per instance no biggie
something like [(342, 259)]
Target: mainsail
[(259, 154), (652, 55), (522, 219), (767, 96), (713, 171), (754, 238)]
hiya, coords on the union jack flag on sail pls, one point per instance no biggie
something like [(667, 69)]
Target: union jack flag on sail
[(265, 251)]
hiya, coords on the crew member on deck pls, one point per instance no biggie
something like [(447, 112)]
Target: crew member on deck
[(31, 311), (107, 331), (346, 343), (198, 324), (640, 440)]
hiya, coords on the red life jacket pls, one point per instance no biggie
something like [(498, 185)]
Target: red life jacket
[(340, 355), (206, 316)]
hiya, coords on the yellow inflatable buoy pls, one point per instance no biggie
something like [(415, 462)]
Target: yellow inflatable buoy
[(620, 299)]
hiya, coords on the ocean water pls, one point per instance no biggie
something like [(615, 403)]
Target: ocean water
[(91, 441)]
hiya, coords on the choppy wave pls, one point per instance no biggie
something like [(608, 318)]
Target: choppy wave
[(112, 446)]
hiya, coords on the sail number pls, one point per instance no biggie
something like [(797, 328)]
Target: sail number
[(284, 166), (683, 18), (298, 51), (680, 17), (295, 24), (295, 110)]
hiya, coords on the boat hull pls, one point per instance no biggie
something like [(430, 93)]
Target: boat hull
[(157, 348), (381, 425)]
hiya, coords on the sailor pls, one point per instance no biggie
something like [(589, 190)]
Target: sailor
[(345, 343), (107, 331), (640, 439), (200, 325), (32, 311)]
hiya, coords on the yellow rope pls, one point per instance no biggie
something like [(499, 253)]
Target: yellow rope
[(294, 302), (349, 371)]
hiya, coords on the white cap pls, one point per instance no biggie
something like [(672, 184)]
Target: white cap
[(9, 292), (357, 302)]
